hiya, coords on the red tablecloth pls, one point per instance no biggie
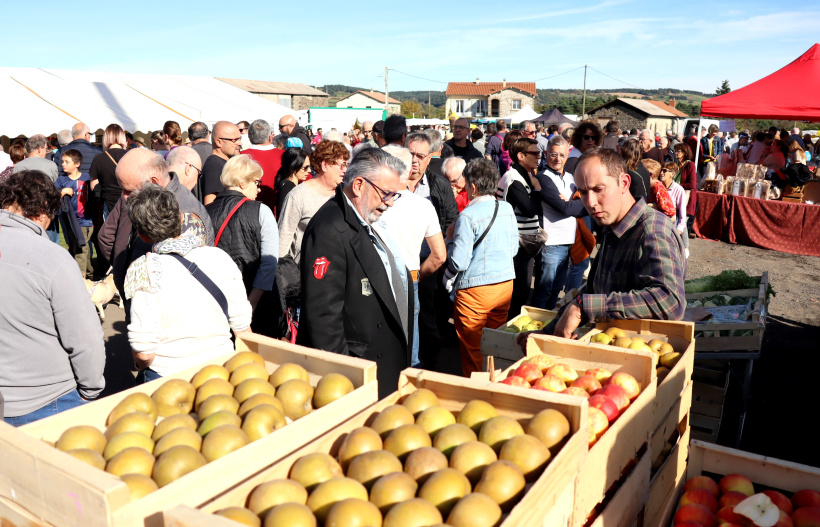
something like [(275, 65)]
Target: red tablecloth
[(781, 226)]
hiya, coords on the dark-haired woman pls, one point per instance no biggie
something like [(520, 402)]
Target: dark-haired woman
[(639, 176), (52, 353), (294, 170), (687, 177), (587, 136)]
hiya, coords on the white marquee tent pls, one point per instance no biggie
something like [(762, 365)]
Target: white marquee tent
[(524, 114), (46, 101)]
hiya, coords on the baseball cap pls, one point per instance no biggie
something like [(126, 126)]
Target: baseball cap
[(294, 142), (743, 134)]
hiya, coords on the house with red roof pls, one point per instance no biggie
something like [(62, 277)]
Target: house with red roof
[(656, 116), (488, 99), (369, 99)]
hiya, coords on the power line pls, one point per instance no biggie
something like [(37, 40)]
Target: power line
[(417, 77), (552, 77), (613, 78)]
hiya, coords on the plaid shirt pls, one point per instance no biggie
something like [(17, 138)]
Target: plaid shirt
[(639, 269)]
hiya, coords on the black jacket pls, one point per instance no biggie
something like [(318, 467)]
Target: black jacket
[(86, 149), (348, 306), (242, 238), (441, 194), (300, 132), (471, 153)]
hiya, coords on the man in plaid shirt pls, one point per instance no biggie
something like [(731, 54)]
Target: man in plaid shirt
[(640, 266)]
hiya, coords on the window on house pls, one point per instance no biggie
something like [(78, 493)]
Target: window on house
[(516, 104), (481, 107), (459, 106)]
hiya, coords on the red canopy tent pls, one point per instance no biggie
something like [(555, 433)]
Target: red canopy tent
[(789, 93)]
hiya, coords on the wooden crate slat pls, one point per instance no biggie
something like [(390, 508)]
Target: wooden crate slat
[(626, 504)]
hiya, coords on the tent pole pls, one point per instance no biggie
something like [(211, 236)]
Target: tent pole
[(697, 148)]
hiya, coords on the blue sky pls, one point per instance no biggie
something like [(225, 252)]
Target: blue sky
[(689, 45)]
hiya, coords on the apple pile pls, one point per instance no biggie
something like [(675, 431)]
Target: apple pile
[(608, 394), (733, 503), (667, 356)]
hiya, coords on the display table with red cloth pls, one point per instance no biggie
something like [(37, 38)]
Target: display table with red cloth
[(781, 226)]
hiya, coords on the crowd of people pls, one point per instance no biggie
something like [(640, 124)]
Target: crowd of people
[(381, 242)]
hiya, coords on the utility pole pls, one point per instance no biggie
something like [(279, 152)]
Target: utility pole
[(584, 102), (428, 104), (386, 92)]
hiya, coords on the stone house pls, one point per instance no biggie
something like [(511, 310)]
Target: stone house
[(657, 116), (488, 99), (369, 99), (289, 94)]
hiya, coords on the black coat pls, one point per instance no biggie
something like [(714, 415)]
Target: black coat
[(340, 312), (441, 195)]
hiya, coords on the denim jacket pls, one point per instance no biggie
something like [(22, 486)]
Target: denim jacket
[(492, 260)]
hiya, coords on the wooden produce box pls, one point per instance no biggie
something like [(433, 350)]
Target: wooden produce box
[(722, 338), (503, 346), (710, 381), (544, 503), (628, 434), (624, 507), (718, 461), (680, 335), (64, 491)]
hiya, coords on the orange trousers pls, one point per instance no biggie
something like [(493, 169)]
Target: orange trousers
[(475, 309)]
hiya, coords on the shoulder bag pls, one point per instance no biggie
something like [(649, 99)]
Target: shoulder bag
[(449, 277)]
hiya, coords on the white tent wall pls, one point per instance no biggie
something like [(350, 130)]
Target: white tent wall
[(524, 114)]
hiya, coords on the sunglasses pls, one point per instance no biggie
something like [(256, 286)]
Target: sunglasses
[(590, 137), (198, 171), (386, 196), (237, 140)]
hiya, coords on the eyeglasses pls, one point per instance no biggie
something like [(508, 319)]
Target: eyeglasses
[(666, 171), (198, 171), (236, 140), (459, 127), (455, 181), (281, 126), (343, 165), (305, 167), (243, 130), (556, 155), (528, 132), (258, 183), (535, 153), (419, 155), (590, 137), (386, 196), (367, 132)]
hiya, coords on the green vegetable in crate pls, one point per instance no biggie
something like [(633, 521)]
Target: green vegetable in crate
[(511, 329), (726, 281)]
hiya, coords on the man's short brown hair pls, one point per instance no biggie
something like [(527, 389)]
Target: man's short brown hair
[(609, 158)]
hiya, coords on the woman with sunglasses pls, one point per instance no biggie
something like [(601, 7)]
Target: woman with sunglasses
[(329, 161), (587, 136), (246, 230), (295, 169)]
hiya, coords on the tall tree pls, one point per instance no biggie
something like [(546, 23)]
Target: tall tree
[(724, 88), (410, 108)]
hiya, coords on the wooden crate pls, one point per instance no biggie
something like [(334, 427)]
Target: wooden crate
[(627, 435), (544, 503), (710, 380), (719, 460), (756, 323), (503, 345), (624, 508), (680, 335), (64, 491)]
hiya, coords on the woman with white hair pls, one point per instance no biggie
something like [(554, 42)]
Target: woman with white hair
[(246, 229)]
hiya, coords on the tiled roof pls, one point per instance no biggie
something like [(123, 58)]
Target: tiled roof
[(650, 108), (487, 88), (375, 95), (290, 88), (664, 106)]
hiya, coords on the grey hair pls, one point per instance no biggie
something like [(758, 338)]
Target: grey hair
[(280, 141), (369, 162), (557, 140), (645, 130), (179, 156), (359, 147), (404, 155), (435, 139), (453, 164), (198, 130), (259, 132), (482, 173), (333, 135), (64, 137), (154, 212), (419, 137), (79, 130), (524, 124), (35, 142), (567, 133)]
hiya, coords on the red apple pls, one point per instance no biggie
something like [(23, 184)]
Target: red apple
[(542, 361), (695, 513), (702, 482), (604, 404), (513, 380), (780, 500), (579, 392), (701, 497), (784, 521), (587, 383), (806, 517), (805, 498), (528, 372), (551, 383), (617, 394), (599, 373), (730, 499), (598, 424), (737, 483), (563, 372), (693, 524), (628, 383), (727, 515)]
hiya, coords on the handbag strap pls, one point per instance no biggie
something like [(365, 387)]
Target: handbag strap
[(111, 158), (225, 223), (206, 282), (483, 234)]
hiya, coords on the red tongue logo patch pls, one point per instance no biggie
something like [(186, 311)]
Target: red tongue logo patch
[(320, 267)]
